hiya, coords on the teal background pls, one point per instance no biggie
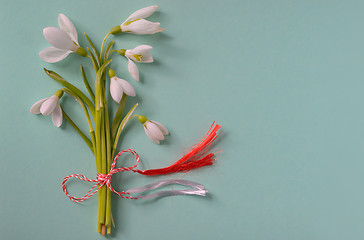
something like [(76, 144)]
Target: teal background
[(283, 78)]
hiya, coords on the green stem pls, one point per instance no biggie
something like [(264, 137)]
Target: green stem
[(101, 161), (102, 45), (93, 60), (121, 127), (98, 153), (118, 115), (108, 211), (98, 113), (87, 141), (98, 140), (98, 147), (103, 169), (108, 164)]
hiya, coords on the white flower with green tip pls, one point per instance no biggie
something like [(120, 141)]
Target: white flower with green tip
[(154, 130), (140, 54), (49, 105), (136, 23), (119, 86), (63, 39)]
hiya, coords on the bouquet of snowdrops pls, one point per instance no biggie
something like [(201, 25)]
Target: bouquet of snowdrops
[(104, 129)]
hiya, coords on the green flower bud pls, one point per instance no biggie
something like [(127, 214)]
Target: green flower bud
[(112, 73), (59, 93), (142, 119), (81, 51), (115, 30), (121, 51)]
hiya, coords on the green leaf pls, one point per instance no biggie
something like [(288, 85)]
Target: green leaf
[(93, 47), (89, 89), (94, 61), (107, 51), (78, 99), (84, 137), (74, 89)]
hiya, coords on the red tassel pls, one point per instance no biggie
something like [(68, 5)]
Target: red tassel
[(195, 158)]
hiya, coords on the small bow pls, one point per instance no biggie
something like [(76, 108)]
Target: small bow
[(102, 179)]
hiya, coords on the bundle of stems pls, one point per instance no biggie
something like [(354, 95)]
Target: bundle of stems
[(104, 135)]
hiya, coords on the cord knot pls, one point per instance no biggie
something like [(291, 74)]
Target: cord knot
[(103, 178)]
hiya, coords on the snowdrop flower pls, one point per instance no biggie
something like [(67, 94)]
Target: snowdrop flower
[(139, 54), (154, 130), (119, 86), (49, 105), (136, 23), (64, 40)]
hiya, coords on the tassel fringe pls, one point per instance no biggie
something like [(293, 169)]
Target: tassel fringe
[(195, 158)]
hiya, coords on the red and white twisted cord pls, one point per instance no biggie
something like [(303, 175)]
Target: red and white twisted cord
[(194, 159)]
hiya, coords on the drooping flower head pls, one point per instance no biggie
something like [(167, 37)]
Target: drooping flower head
[(136, 23), (49, 105), (119, 86), (64, 40), (154, 130), (140, 54)]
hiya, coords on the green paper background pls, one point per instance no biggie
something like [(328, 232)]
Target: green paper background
[(284, 78)]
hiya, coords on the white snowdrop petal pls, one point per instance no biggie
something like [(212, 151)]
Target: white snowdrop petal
[(49, 105), (52, 54), (59, 38), (150, 136), (57, 116), (66, 25), (142, 13), (130, 54), (142, 48), (161, 127), (35, 109), (127, 87), (147, 58), (154, 130), (142, 26), (144, 51), (116, 90), (133, 70)]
